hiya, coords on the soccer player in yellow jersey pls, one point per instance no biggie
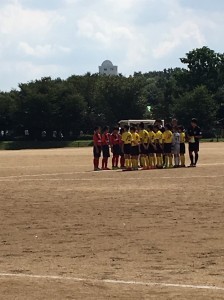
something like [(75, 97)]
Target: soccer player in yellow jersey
[(144, 146), (126, 146), (158, 138), (167, 144), (182, 145), (151, 147), (135, 147)]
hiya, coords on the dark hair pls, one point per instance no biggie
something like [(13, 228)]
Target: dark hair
[(96, 128), (142, 125), (194, 120), (121, 130), (105, 128), (115, 128), (133, 128), (156, 127), (181, 127), (126, 127), (168, 126), (150, 127)]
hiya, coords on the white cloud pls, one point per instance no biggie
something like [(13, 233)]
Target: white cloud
[(63, 37), (187, 31)]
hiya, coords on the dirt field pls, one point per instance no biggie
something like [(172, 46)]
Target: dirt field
[(69, 233)]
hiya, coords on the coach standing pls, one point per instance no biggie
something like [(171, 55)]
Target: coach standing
[(194, 134)]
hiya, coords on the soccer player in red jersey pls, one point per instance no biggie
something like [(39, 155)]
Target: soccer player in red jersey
[(105, 147), (97, 143), (122, 160), (115, 147)]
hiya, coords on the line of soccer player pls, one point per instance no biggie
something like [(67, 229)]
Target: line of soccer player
[(136, 147)]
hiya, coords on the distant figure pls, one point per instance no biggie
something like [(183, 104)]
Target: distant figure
[(194, 134), (54, 135)]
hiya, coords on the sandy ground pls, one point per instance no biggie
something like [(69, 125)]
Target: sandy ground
[(69, 233)]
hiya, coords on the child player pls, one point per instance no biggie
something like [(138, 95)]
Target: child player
[(158, 144), (167, 143), (105, 148), (122, 160), (176, 147), (96, 148), (135, 144), (151, 147), (126, 146), (182, 145), (143, 146), (115, 147)]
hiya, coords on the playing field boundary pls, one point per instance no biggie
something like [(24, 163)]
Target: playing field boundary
[(114, 281), (26, 178)]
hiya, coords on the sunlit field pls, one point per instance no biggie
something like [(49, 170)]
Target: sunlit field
[(70, 233)]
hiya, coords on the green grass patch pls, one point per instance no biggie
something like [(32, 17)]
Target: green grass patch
[(19, 145)]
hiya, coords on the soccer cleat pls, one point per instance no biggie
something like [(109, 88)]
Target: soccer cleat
[(97, 169)]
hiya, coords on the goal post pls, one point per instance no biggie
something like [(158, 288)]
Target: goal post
[(135, 122)]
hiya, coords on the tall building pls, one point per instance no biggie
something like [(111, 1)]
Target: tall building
[(108, 68)]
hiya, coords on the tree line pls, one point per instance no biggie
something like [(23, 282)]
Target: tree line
[(81, 102)]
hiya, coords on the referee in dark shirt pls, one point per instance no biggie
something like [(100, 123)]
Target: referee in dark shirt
[(194, 134)]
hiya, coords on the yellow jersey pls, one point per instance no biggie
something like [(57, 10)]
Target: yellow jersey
[(126, 137), (158, 137), (151, 135), (167, 137), (144, 136), (135, 139), (182, 137)]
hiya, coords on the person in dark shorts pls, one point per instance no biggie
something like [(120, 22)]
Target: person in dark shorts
[(126, 146), (121, 153), (151, 147), (167, 145), (158, 138), (194, 134), (182, 145), (97, 143), (105, 148), (144, 137), (135, 147), (115, 147)]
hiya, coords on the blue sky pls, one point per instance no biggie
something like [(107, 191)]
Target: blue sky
[(59, 38)]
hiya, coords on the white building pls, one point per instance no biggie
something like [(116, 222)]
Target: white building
[(108, 68)]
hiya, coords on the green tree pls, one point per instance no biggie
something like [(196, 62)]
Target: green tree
[(196, 104)]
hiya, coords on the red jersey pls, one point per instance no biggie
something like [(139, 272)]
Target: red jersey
[(105, 139), (97, 139), (114, 139)]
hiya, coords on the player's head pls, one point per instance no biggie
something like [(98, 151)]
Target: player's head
[(194, 122), (156, 128), (174, 122), (115, 130), (168, 126), (175, 129), (158, 122), (181, 128), (106, 129), (126, 127), (150, 128), (133, 129), (141, 126), (97, 129), (121, 130)]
